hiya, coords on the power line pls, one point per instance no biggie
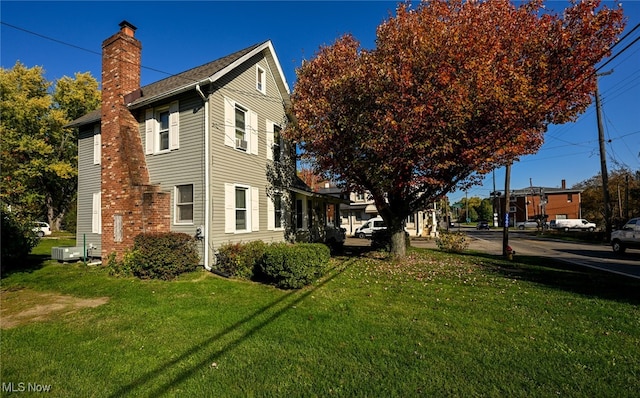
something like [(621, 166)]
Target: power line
[(152, 69)]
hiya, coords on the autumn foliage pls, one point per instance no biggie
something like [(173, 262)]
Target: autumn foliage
[(452, 90)]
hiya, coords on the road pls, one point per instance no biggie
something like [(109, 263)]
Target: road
[(598, 256)]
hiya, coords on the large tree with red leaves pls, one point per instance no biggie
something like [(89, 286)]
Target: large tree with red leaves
[(452, 90)]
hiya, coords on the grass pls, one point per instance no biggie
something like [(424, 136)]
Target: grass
[(434, 324)]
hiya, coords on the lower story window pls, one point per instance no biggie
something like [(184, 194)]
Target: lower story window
[(277, 210), (184, 204), (241, 209)]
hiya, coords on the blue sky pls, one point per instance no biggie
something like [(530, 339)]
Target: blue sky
[(177, 36)]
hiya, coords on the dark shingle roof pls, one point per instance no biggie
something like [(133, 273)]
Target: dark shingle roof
[(184, 80), (192, 76)]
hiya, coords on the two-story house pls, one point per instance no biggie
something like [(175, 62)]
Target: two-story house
[(188, 153)]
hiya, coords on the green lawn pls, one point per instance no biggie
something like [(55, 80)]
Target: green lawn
[(433, 325)]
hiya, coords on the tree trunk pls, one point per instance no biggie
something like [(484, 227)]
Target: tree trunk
[(398, 244)]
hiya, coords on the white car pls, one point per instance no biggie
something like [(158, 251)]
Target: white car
[(627, 237), (367, 229), (41, 228)]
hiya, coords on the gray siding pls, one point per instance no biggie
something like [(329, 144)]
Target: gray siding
[(185, 165), (88, 184), (233, 166)]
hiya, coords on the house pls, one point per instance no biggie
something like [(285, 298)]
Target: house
[(554, 203), (189, 154), (358, 207)]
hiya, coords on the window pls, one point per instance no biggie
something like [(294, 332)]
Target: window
[(277, 143), (299, 214), (162, 129), (260, 80), (274, 141), (569, 197), (240, 127), (277, 207), (359, 196), (241, 209), (242, 212), (184, 204)]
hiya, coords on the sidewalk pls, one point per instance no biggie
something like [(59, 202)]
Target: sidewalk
[(475, 244)]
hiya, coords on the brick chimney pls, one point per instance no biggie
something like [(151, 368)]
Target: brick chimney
[(564, 184), (130, 205)]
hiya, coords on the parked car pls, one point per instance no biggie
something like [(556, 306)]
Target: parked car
[(368, 228), (482, 224), (41, 228), (573, 223), (627, 237), (530, 224)]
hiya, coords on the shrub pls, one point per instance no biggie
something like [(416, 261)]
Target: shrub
[(452, 242), (294, 266), (18, 239), (240, 260), (160, 256)]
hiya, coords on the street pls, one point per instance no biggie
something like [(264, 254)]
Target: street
[(593, 255)]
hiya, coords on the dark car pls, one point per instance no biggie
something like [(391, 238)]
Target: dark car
[(482, 224)]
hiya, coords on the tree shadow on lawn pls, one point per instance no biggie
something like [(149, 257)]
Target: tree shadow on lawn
[(207, 352), (565, 276), (31, 263)]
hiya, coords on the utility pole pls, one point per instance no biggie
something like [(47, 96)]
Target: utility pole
[(507, 195), (603, 162)]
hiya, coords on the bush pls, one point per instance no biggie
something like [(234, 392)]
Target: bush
[(18, 239), (294, 266), (240, 260), (452, 242), (159, 256)]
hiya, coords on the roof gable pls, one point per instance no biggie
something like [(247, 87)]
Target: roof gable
[(189, 79), (207, 73)]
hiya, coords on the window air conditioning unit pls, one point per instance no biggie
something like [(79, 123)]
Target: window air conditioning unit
[(70, 253), (241, 144)]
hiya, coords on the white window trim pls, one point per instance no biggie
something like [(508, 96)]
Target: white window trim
[(152, 128), (176, 196), (96, 216), (271, 214), (97, 145), (261, 79), (251, 127), (252, 207)]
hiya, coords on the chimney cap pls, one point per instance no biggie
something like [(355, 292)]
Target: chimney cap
[(126, 25)]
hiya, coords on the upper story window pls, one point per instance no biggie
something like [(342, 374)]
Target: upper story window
[(162, 129), (275, 143), (261, 82), (240, 127)]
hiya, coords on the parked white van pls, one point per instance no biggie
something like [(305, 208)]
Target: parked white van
[(573, 223), (367, 229)]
